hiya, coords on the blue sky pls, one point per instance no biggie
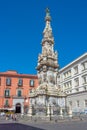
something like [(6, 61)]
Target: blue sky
[(22, 24)]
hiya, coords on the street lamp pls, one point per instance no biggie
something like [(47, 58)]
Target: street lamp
[(50, 112)]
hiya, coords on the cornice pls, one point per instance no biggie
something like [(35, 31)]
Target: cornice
[(18, 75), (77, 60)]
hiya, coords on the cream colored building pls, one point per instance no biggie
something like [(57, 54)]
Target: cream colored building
[(73, 81)]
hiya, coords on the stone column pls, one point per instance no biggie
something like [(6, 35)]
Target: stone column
[(61, 112), (70, 112), (51, 110), (30, 111), (48, 110)]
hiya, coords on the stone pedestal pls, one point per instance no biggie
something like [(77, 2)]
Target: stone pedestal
[(70, 112), (48, 110), (61, 112), (30, 111), (51, 110)]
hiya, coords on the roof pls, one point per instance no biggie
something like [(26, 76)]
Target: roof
[(12, 73), (73, 62)]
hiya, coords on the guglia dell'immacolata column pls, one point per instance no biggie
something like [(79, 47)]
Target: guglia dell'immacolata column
[(48, 60)]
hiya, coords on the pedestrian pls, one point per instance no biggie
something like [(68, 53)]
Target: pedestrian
[(6, 117), (15, 117), (12, 116)]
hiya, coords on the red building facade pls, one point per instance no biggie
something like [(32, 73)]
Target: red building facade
[(14, 90)]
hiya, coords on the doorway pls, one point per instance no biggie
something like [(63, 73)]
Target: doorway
[(18, 108)]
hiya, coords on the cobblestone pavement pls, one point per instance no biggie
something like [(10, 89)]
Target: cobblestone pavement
[(80, 125), (44, 126), (39, 125), (15, 126)]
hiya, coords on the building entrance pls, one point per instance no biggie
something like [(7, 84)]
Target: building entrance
[(18, 108)]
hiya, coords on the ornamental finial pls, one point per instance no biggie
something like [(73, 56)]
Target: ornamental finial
[(48, 17), (47, 12)]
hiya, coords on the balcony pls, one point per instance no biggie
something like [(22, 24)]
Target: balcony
[(7, 96), (18, 97), (6, 105), (20, 85)]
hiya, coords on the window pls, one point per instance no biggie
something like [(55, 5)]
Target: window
[(30, 91), (7, 93), (84, 65), (85, 103), (77, 89), (84, 79), (68, 84), (77, 103), (67, 74), (20, 82), (31, 83), (76, 82), (8, 81), (70, 103), (70, 91), (76, 70), (6, 103), (84, 88), (19, 93)]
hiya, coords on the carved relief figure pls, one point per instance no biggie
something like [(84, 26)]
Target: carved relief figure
[(56, 54), (39, 57), (46, 35), (44, 51), (40, 80), (50, 52), (50, 34), (44, 77), (51, 79)]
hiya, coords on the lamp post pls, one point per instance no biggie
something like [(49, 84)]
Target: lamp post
[(50, 112)]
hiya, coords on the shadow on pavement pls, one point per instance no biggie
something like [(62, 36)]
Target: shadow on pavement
[(15, 126)]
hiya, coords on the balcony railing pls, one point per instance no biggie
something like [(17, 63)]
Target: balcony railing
[(6, 105), (7, 96)]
